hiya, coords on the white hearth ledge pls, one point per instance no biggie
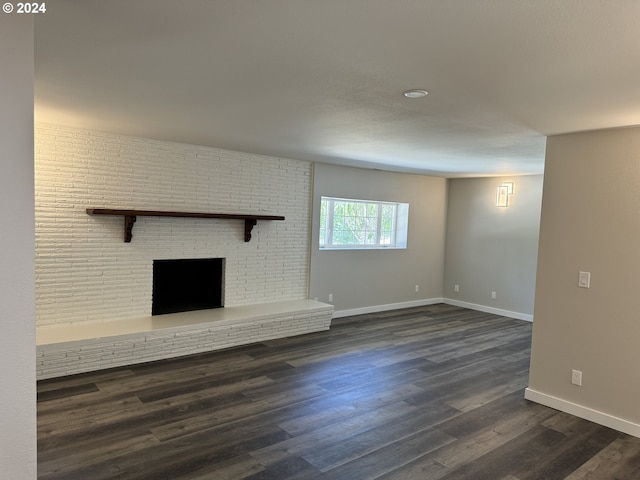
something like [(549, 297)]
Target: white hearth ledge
[(77, 348)]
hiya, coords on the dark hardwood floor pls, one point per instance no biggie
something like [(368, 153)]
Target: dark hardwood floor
[(425, 393)]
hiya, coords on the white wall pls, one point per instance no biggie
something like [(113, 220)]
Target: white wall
[(85, 271), (493, 249), (365, 279), (590, 222), (17, 352)]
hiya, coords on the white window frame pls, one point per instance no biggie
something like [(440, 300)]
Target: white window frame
[(399, 228)]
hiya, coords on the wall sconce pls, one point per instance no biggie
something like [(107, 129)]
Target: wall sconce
[(502, 194)]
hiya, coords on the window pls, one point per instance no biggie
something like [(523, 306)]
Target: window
[(360, 224)]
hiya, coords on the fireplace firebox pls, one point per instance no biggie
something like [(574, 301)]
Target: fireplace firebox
[(187, 284)]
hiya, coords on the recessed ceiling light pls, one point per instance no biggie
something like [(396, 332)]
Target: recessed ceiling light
[(416, 93)]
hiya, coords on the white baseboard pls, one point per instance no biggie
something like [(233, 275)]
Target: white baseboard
[(484, 308), (384, 308), (594, 416)]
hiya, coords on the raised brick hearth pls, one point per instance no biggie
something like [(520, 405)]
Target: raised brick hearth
[(70, 349)]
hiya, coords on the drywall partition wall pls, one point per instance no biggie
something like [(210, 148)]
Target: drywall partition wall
[(17, 311), (493, 249), (87, 273), (589, 223), (370, 280)]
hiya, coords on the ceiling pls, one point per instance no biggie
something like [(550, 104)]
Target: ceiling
[(323, 80)]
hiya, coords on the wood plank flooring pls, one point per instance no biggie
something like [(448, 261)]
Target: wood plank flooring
[(425, 393)]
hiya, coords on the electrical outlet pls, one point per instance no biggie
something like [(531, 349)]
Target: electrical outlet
[(456, 288), (493, 295), (417, 288), (576, 377), (330, 297)]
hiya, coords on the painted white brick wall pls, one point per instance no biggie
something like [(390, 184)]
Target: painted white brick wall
[(86, 273)]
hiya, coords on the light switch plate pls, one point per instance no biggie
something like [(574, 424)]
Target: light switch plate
[(584, 279), (576, 377)]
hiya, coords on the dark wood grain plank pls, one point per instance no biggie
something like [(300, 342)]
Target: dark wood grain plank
[(48, 395), (619, 460), (521, 452), (390, 457), (379, 437)]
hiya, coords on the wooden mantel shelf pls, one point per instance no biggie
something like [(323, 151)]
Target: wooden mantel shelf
[(130, 218)]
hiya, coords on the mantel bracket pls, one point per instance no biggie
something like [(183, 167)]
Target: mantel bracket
[(129, 220), (249, 223)]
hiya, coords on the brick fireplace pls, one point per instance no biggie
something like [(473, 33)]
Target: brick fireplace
[(86, 276)]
